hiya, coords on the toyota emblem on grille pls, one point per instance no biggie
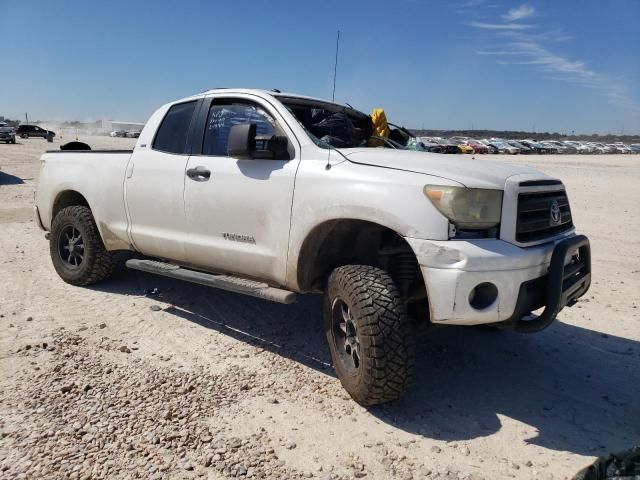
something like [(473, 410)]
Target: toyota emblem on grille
[(554, 213)]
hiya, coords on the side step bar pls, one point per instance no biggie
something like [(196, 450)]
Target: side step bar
[(223, 282)]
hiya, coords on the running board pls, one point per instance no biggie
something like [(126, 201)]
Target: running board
[(223, 282)]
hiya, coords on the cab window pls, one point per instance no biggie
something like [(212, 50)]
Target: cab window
[(172, 134), (225, 114)]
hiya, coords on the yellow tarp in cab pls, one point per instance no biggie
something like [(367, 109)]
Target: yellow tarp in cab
[(379, 120), (380, 127)]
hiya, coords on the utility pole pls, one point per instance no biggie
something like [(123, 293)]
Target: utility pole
[(26, 118)]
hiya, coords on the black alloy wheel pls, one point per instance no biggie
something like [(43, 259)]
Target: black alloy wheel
[(345, 336), (71, 246)]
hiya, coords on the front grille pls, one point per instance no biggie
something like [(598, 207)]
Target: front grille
[(534, 216)]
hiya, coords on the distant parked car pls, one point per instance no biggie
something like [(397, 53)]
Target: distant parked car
[(463, 146), (27, 131), (432, 147), (619, 148), (600, 148), (524, 149), (118, 133), (563, 147), (133, 134), (635, 147), (551, 147), (624, 147), (478, 147), (7, 134), (487, 144), (503, 147), (447, 146), (538, 147), (581, 148)]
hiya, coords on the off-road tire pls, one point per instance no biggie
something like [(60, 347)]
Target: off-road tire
[(98, 264), (384, 334)]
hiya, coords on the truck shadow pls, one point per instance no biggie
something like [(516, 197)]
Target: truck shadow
[(577, 388)]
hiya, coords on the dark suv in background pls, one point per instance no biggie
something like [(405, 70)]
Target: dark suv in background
[(6, 133), (26, 131)]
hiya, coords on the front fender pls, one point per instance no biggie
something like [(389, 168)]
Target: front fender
[(390, 198)]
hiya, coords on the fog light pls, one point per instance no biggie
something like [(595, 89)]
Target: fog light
[(483, 295)]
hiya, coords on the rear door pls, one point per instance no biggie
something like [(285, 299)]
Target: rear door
[(154, 185), (238, 215)]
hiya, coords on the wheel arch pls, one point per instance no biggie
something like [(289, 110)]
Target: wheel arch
[(339, 242), (68, 198)]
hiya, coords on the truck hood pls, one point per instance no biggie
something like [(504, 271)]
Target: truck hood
[(470, 173)]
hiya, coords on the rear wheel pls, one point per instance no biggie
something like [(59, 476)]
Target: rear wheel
[(370, 338), (76, 249), (25, 135)]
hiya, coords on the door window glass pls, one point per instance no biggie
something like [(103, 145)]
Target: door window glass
[(172, 133), (224, 116)]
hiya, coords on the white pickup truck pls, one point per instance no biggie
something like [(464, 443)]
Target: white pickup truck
[(271, 195)]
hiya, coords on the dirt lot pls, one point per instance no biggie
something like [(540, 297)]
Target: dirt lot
[(117, 381)]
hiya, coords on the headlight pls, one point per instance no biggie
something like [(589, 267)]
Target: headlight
[(467, 208)]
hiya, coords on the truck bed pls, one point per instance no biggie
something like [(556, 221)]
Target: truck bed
[(98, 176)]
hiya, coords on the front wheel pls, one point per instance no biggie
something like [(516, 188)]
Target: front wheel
[(76, 249), (370, 338)]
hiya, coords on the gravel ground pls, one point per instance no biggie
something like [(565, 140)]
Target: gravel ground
[(143, 377)]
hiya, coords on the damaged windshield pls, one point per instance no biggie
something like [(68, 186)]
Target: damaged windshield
[(337, 126)]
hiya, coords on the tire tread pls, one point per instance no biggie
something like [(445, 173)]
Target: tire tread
[(388, 358), (101, 264)]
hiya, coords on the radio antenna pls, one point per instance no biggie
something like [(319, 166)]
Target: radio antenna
[(333, 95), (335, 68)]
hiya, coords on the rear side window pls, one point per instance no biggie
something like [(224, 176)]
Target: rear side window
[(172, 133), (224, 116)]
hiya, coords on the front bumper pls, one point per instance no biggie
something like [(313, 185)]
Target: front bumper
[(525, 278)]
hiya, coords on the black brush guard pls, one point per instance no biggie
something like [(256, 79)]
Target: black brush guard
[(568, 279)]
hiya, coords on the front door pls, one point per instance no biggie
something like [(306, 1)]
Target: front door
[(238, 212)]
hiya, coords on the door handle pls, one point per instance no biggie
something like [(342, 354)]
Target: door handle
[(199, 173)]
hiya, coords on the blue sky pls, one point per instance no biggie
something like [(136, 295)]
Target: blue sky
[(556, 65)]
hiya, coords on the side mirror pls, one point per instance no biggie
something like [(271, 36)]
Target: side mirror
[(244, 144), (275, 147), (242, 141)]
